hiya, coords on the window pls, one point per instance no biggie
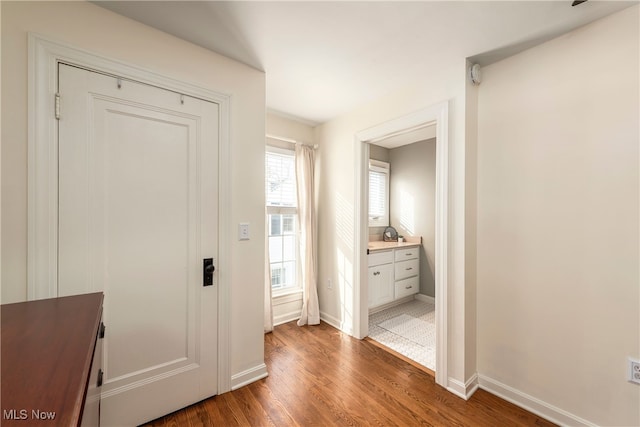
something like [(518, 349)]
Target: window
[(276, 276), (282, 218), (378, 193)]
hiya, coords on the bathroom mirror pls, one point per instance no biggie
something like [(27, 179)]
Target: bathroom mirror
[(390, 235)]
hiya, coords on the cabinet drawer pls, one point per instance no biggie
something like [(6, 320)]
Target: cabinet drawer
[(404, 269), (407, 287), (405, 254), (380, 257)]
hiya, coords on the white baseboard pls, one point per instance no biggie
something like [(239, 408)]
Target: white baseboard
[(463, 390), (286, 317), (531, 404), (425, 298), (249, 376), (335, 322)]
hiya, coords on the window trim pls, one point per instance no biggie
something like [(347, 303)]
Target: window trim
[(280, 150), (385, 168)]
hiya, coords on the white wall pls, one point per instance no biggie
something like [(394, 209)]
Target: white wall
[(93, 28), (287, 307), (558, 223), (337, 200), (278, 125), (413, 185), (0, 165)]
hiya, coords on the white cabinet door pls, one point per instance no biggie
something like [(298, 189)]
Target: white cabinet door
[(380, 284), (137, 215)]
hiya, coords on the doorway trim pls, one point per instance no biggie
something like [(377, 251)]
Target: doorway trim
[(439, 114), (42, 164)]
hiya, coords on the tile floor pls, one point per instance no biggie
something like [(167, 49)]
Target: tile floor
[(409, 329)]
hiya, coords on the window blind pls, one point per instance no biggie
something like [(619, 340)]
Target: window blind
[(377, 194)]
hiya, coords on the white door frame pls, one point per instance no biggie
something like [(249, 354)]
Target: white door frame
[(440, 114), (42, 211)]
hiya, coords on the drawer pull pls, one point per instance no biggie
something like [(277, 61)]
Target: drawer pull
[(100, 375), (408, 254), (409, 268), (408, 287)]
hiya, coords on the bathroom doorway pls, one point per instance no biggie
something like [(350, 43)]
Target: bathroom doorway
[(434, 116), (401, 270)]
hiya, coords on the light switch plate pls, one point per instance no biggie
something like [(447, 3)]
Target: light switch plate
[(243, 231)]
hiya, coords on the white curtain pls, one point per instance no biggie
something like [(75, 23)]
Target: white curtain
[(305, 159), (268, 309)]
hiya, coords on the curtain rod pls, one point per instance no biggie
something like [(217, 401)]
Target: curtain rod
[(291, 141)]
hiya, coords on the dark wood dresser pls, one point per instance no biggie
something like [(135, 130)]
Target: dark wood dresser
[(52, 362)]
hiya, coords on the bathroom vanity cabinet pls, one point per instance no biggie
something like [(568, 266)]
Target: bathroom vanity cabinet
[(394, 273), (406, 268), (381, 289)]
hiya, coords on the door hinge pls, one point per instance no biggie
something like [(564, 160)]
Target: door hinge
[(57, 106)]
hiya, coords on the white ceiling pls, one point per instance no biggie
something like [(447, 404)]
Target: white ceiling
[(323, 59)]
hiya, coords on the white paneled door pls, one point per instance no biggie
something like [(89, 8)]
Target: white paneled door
[(138, 214)]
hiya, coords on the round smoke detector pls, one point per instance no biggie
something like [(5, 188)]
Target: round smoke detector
[(475, 75)]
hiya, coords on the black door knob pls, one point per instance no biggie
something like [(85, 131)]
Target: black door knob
[(207, 271)]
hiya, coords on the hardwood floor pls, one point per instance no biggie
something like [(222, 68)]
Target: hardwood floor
[(319, 376)]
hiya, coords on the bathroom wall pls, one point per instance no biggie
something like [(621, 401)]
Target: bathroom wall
[(412, 200), (378, 153)]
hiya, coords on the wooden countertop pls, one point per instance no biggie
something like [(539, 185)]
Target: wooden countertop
[(379, 245), (47, 349)]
